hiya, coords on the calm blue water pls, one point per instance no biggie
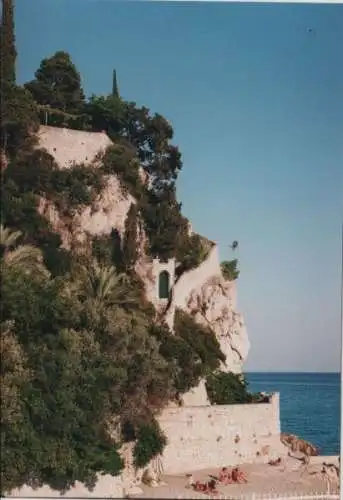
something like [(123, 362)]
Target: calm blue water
[(309, 405)]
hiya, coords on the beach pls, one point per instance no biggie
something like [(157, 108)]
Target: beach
[(290, 477)]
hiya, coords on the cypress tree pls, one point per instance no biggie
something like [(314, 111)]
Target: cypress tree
[(8, 50), (115, 89), (130, 251)]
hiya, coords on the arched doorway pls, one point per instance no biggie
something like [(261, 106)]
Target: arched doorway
[(163, 285)]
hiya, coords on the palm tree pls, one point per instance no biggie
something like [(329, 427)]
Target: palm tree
[(27, 257), (103, 285)]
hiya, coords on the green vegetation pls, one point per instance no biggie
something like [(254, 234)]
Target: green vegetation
[(130, 241), (8, 52), (150, 443), (57, 84), (227, 388), (80, 345), (229, 269)]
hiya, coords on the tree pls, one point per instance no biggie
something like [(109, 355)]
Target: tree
[(63, 435), (19, 119), (115, 89), (151, 135), (8, 50), (57, 84), (107, 249), (164, 224), (102, 285), (130, 242), (107, 113), (27, 257), (14, 374)]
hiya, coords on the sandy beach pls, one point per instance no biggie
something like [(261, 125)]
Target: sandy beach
[(291, 477)]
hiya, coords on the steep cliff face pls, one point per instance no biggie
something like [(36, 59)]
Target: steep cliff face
[(69, 147), (202, 292), (213, 304), (205, 294)]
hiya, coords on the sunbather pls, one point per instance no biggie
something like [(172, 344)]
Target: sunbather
[(209, 488), (275, 462), (238, 476), (225, 476)]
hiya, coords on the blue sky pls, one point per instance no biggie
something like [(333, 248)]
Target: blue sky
[(256, 101)]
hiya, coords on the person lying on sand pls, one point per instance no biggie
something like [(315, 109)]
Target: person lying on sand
[(209, 488), (235, 476), (238, 476), (190, 480), (224, 476), (277, 461)]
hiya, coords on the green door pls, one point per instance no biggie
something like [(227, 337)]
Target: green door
[(163, 285)]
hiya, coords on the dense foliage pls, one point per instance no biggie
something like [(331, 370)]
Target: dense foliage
[(229, 269), (57, 84), (8, 51), (150, 443), (227, 388)]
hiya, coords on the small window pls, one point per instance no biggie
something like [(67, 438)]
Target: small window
[(163, 285)]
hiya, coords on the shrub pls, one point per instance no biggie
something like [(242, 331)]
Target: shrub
[(121, 160), (107, 249), (202, 339), (150, 442), (227, 388), (70, 188), (192, 352), (76, 186), (130, 240), (229, 269), (192, 250), (185, 364)]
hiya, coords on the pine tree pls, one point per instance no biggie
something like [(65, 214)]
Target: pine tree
[(8, 50), (130, 251)]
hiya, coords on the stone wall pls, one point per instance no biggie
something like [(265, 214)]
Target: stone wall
[(72, 146), (69, 147), (199, 437), (215, 436)]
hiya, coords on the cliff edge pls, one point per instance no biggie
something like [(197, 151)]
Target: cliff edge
[(203, 292)]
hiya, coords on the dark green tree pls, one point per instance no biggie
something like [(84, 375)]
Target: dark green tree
[(61, 435), (19, 119), (229, 269), (130, 241), (202, 340), (151, 135), (57, 84), (115, 89), (164, 223), (106, 114), (227, 388), (8, 50)]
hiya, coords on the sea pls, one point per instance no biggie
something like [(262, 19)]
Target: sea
[(309, 405)]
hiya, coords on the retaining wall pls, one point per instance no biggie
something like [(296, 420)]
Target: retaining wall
[(213, 436)]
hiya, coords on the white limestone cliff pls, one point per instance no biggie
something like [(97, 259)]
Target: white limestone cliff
[(203, 292), (213, 304)]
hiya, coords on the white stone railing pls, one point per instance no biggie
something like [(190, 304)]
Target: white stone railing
[(261, 496)]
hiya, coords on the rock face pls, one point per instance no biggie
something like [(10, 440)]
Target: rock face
[(214, 304), (296, 444), (202, 292)]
